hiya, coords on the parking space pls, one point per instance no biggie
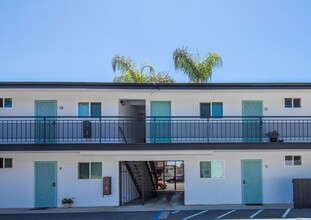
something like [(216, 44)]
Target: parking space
[(237, 214)]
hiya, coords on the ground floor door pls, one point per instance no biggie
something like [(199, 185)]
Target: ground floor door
[(45, 123), (45, 184), (252, 181)]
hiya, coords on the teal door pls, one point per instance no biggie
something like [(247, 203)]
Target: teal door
[(251, 182), (45, 127), (252, 112), (45, 184), (160, 125)]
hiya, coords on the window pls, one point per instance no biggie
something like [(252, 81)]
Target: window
[(292, 102), (91, 170), (212, 169), (214, 109), (291, 160), (6, 163), (6, 103), (92, 109)]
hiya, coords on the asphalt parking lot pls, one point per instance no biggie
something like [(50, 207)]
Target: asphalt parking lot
[(234, 214), (249, 213)]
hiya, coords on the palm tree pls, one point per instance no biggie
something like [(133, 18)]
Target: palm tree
[(163, 77), (129, 72), (196, 69)]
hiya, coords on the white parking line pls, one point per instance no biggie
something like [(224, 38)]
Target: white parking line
[(286, 213), (175, 211), (194, 215), (226, 214), (256, 213)]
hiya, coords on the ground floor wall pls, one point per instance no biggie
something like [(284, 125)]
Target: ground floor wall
[(276, 177), (17, 184)]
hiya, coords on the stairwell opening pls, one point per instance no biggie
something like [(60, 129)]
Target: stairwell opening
[(151, 182), (132, 121)]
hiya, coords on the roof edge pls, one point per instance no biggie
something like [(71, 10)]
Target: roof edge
[(156, 86)]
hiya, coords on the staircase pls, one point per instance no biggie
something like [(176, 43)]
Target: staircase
[(143, 179)]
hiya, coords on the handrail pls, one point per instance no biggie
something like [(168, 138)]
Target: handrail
[(122, 133), (151, 117), (175, 129)]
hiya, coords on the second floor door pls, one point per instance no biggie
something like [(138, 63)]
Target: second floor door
[(252, 111), (160, 124), (45, 123)]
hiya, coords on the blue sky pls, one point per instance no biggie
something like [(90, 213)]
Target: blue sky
[(75, 40)]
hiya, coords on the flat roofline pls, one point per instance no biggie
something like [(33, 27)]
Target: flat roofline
[(156, 86)]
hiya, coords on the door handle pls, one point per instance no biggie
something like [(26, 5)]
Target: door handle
[(244, 182), (54, 184)]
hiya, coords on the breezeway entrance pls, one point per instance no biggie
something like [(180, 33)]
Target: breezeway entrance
[(161, 181)]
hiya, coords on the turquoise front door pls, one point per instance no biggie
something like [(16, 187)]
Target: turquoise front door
[(252, 112), (251, 181), (45, 124), (160, 125), (45, 184)]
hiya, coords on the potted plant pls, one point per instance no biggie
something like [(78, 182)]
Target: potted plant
[(273, 135), (67, 202)]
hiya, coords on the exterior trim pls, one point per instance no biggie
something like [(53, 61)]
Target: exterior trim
[(157, 146), (154, 86)]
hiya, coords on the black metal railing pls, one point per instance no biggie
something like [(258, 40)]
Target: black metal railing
[(177, 129)]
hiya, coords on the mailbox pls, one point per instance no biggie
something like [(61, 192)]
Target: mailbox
[(107, 185), (87, 129)]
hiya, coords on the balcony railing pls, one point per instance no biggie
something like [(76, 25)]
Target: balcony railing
[(49, 130)]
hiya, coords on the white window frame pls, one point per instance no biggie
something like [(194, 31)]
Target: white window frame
[(212, 178), (293, 165), (211, 109), (89, 102), (90, 170), (292, 107), (3, 163), (8, 108)]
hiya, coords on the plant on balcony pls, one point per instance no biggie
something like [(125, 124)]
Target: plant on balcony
[(67, 202), (273, 135)]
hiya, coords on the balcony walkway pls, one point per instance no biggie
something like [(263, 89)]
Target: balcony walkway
[(148, 130)]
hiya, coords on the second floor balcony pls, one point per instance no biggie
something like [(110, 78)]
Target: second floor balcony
[(180, 129)]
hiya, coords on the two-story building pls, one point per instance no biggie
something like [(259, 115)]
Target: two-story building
[(59, 140)]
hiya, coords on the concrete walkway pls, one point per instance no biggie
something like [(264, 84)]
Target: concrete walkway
[(165, 201), (147, 207)]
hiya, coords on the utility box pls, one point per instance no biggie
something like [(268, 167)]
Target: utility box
[(87, 129), (302, 193), (107, 185)]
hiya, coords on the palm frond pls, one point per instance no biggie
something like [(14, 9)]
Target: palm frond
[(162, 77), (124, 65), (184, 61), (151, 68)]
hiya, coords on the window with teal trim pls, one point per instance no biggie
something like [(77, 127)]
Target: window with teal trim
[(92, 109), (6, 163), (217, 110), (212, 169), (96, 170), (84, 172), (292, 102), (205, 110), (92, 170), (213, 109), (6, 103)]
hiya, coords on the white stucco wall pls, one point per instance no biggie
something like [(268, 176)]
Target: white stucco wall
[(17, 183), (277, 179), (183, 103)]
